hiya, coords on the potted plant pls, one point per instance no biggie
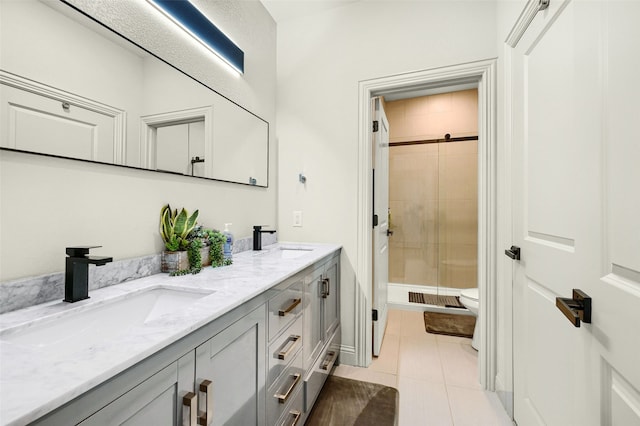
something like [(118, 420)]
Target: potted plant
[(174, 229)]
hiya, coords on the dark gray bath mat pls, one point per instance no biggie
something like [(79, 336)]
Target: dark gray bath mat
[(436, 300), (449, 324), (346, 402)]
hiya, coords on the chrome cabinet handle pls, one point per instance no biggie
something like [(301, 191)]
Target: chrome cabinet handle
[(295, 414), (292, 342), (283, 312), (326, 287), (205, 416), (282, 397), (576, 309), (189, 403), (329, 359)]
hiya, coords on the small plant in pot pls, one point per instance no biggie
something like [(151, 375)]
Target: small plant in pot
[(174, 229)]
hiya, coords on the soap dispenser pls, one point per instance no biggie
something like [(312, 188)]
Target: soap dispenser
[(228, 244)]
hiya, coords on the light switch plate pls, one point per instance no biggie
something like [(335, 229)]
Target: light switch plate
[(297, 218)]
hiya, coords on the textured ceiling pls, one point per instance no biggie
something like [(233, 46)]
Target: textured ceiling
[(282, 10)]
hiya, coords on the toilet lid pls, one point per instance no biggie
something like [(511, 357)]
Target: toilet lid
[(470, 293)]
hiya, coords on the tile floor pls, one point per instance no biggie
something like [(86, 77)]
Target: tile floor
[(437, 376)]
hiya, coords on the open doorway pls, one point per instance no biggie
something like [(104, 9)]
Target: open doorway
[(480, 75), (433, 199)]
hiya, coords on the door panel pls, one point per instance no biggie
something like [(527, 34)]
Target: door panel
[(381, 210), (575, 185), (234, 361), (36, 123)]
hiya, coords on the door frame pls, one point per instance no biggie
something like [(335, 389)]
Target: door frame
[(484, 74)]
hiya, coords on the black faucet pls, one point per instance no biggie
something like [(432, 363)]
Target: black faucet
[(257, 236), (76, 275)]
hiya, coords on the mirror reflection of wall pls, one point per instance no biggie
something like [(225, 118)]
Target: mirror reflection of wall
[(111, 88)]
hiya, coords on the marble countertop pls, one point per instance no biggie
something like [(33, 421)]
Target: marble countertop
[(36, 380)]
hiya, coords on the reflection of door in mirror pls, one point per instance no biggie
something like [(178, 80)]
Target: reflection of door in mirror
[(178, 146), (36, 122)]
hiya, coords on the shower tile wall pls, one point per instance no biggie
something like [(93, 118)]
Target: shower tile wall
[(433, 191)]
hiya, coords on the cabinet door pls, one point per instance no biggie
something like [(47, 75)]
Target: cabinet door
[(331, 298), (152, 402), (312, 318), (234, 363)]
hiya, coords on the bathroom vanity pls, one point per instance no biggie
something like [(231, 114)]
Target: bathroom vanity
[(247, 344)]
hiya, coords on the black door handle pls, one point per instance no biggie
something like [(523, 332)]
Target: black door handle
[(389, 232), (576, 309), (513, 252)]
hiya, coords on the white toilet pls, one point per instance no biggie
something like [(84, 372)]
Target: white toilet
[(469, 297)]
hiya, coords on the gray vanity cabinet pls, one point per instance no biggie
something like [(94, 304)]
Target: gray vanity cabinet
[(321, 327), (152, 402), (262, 363), (233, 364)]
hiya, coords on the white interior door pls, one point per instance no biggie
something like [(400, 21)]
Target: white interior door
[(36, 123), (575, 90), (381, 221)]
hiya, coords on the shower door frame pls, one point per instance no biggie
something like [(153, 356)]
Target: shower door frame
[(483, 73)]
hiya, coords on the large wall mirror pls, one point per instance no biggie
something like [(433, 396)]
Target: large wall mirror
[(71, 87)]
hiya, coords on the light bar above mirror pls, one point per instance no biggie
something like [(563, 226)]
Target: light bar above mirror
[(188, 17)]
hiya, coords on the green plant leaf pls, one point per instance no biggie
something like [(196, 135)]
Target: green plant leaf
[(180, 223)]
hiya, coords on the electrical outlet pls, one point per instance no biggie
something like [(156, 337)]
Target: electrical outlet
[(297, 218)]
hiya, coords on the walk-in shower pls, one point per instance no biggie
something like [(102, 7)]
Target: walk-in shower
[(433, 196)]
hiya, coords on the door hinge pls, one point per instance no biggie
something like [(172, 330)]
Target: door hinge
[(375, 220), (375, 126), (374, 314)]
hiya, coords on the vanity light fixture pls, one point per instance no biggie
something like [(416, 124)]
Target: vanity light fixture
[(188, 17)]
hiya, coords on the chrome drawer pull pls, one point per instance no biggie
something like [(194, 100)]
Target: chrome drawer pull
[(282, 398), (283, 312), (292, 342), (189, 401), (206, 416), (295, 414), (329, 359), (326, 287)]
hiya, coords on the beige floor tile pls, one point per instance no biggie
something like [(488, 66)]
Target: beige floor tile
[(387, 362), (423, 403), (366, 375), (420, 359), (453, 339), (413, 324), (459, 364), (394, 322), (476, 407)]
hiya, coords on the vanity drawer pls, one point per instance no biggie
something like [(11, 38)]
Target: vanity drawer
[(286, 389), (293, 414), (321, 369), (283, 349), (284, 308)]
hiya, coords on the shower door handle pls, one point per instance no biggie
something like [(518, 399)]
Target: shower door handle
[(513, 252)]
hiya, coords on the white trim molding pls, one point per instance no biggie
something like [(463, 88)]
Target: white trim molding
[(119, 116), (483, 73), (150, 123), (529, 12)]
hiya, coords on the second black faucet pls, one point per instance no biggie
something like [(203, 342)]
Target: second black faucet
[(257, 236)]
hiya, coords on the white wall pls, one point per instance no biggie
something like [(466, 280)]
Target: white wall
[(47, 204), (321, 59)]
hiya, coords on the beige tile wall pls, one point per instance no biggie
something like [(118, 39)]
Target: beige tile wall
[(433, 191)]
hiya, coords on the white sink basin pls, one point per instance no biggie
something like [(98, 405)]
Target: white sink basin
[(291, 252), (90, 326)]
